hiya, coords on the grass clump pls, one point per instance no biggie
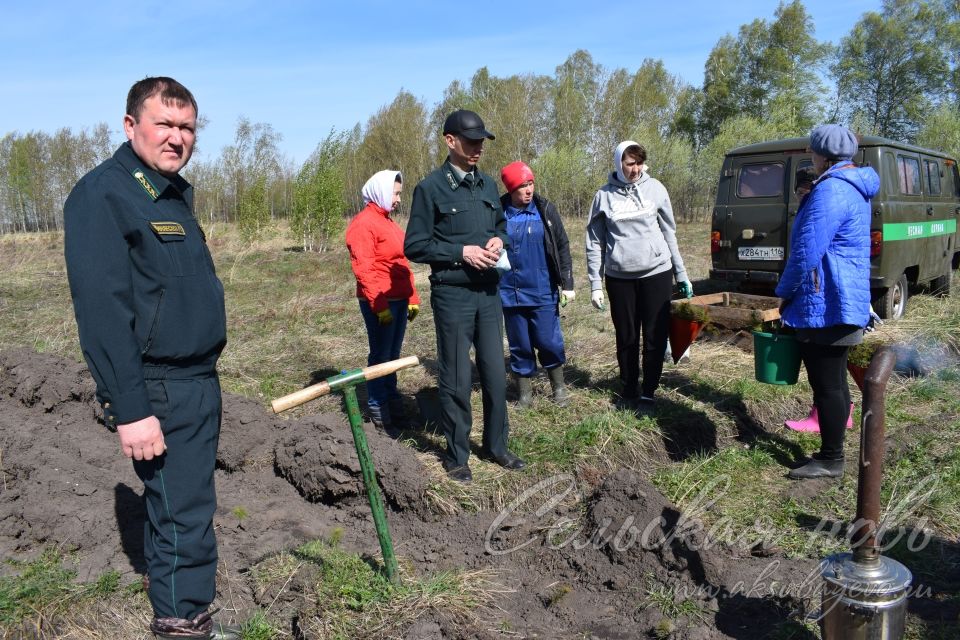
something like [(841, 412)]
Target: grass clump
[(671, 603), (44, 587), (690, 312), (594, 437), (259, 627), (354, 599)]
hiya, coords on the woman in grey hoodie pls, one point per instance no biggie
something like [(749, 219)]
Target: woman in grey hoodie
[(632, 245)]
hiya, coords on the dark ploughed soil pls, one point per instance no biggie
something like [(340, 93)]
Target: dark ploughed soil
[(580, 568)]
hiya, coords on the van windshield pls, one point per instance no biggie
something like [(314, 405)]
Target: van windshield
[(762, 180)]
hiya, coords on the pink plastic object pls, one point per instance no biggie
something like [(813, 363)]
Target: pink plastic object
[(811, 424)]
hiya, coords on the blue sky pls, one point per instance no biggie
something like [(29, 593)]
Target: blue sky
[(306, 67)]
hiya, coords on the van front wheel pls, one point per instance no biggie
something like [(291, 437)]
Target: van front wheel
[(892, 302)]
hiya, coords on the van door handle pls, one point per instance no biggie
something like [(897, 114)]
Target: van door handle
[(929, 211)]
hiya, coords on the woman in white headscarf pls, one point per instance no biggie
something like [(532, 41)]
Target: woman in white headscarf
[(632, 247), (385, 290)]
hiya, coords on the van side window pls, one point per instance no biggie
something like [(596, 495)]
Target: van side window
[(889, 177), (760, 180), (909, 175), (954, 176), (933, 176)]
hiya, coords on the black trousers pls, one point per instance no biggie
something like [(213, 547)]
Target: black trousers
[(827, 371), (641, 307), (179, 544), (467, 316)]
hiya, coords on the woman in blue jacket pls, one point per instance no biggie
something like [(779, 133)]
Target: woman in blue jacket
[(540, 278), (825, 284)]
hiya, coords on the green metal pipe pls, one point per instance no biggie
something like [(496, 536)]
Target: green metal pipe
[(348, 381), (345, 378)]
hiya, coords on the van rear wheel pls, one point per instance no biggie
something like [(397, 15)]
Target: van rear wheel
[(892, 302)]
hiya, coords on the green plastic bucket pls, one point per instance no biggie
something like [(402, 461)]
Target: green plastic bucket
[(776, 358)]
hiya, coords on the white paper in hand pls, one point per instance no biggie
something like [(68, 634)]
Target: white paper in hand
[(503, 263)]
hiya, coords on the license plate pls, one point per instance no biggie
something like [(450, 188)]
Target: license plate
[(760, 253)]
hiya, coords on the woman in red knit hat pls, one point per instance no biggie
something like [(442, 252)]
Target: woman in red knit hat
[(385, 289), (539, 280)]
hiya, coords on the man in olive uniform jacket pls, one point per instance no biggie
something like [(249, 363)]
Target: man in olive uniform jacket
[(458, 228), (151, 318)]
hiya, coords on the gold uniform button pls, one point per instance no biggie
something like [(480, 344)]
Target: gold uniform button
[(106, 405)]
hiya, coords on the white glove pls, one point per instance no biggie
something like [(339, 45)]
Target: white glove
[(875, 321), (596, 299), (567, 296)]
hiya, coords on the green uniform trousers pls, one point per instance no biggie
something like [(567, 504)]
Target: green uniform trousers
[(179, 545), (465, 316)]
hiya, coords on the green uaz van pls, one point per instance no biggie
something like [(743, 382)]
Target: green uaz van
[(913, 231)]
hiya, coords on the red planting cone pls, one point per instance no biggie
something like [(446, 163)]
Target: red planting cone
[(682, 334), (857, 373)]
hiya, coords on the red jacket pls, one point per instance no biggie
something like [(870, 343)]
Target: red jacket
[(376, 255)]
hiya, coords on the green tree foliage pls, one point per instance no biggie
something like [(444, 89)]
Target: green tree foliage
[(575, 91), (319, 206), (892, 68), (252, 166), (397, 137), (941, 130), (645, 101), (769, 64), (253, 207), (721, 87), (794, 58), (950, 35), (566, 176), (37, 172)]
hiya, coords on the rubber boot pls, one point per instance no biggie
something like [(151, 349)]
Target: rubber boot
[(524, 392), (811, 424), (382, 420), (398, 413), (817, 468), (203, 627), (560, 395)]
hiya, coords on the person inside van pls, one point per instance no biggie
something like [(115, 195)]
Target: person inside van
[(632, 247), (825, 286), (803, 182)]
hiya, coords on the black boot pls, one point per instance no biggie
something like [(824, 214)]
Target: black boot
[(818, 468), (202, 627), (398, 413), (524, 392), (560, 395)]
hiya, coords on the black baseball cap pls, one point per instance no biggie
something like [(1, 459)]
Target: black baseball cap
[(467, 124)]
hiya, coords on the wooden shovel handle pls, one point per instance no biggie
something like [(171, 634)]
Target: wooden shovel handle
[(297, 398), (372, 372)]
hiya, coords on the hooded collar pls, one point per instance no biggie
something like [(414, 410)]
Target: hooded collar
[(618, 162), (863, 179), (379, 189)]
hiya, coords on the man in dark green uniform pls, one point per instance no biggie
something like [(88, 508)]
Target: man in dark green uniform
[(457, 227), (152, 324)]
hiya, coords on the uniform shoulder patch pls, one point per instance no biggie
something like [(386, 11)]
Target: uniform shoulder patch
[(146, 184), (168, 228)]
